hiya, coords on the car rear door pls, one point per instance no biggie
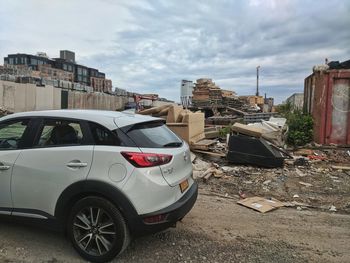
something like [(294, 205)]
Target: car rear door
[(11, 141), (60, 156)]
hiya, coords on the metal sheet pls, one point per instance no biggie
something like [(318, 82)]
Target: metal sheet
[(327, 99)]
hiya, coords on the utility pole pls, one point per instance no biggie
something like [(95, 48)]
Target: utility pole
[(257, 80)]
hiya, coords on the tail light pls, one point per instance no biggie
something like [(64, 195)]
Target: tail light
[(155, 219), (146, 159)]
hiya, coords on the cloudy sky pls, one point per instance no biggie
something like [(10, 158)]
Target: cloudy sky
[(149, 46)]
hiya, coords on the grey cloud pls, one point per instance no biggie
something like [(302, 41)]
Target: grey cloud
[(152, 45)]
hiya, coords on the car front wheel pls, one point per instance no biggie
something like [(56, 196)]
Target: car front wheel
[(97, 229)]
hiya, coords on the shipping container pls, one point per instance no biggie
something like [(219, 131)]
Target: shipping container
[(327, 99)]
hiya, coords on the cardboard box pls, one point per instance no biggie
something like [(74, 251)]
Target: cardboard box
[(261, 204)]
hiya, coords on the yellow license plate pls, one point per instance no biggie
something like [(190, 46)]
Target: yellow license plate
[(184, 186)]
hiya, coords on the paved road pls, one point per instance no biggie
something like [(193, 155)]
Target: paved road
[(216, 230)]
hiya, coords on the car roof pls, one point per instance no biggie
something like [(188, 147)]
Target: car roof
[(108, 119)]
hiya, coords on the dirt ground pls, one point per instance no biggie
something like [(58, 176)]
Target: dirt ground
[(216, 230)]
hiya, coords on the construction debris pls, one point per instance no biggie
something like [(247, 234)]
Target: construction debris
[(254, 151), (247, 130), (261, 204), (274, 130), (186, 124), (4, 111), (341, 167), (212, 132), (319, 185), (202, 145)]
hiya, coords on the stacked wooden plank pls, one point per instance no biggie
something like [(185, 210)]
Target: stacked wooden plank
[(205, 93)]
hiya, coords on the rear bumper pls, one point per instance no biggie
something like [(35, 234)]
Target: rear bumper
[(172, 214)]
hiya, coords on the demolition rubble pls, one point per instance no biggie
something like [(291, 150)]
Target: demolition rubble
[(241, 154)]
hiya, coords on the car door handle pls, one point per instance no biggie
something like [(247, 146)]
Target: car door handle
[(4, 167), (76, 164)]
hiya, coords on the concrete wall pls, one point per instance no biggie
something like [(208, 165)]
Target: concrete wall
[(100, 101), (18, 97)]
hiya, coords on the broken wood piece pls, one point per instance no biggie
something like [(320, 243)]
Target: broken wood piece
[(305, 184), (207, 176), (236, 110), (154, 110), (303, 152), (163, 112), (208, 171), (193, 157), (341, 167), (210, 153), (203, 144), (218, 173)]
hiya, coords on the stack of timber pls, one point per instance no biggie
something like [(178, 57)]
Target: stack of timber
[(207, 94)]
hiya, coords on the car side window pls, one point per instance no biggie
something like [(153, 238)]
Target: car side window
[(103, 136), (11, 134), (60, 132)]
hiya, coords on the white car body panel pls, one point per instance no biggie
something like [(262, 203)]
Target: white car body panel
[(40, 175), (7, 159), (105, 160)]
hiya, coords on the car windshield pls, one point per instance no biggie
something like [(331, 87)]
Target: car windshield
[(153, 135)]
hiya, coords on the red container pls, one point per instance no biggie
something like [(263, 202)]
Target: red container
[(327, 99)]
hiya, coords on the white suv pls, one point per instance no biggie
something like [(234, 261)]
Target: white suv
[(102, 176)]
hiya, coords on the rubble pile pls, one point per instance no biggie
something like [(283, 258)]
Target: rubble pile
[(321, 182)]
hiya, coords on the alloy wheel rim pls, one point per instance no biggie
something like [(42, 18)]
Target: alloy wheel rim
[(94, 231)]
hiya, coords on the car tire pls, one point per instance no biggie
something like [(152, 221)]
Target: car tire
[(97, 229)]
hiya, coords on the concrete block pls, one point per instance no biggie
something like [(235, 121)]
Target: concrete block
[(20, 98), (44, 98), (9, 98), (1, 94), (57, 98), (30, 97)]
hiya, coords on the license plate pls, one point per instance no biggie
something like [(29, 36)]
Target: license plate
[(184, 186)]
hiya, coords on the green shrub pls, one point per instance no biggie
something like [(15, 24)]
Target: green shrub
[(300, 128), (225, 130)]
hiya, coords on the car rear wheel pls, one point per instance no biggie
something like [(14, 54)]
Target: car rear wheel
[(97, 229)]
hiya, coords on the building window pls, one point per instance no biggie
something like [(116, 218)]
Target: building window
[(34, 61), (79, 71), (70, 68), (84, 72), (11, 61), (65, 67)]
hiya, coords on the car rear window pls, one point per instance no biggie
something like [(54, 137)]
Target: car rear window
[(153, 135)]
